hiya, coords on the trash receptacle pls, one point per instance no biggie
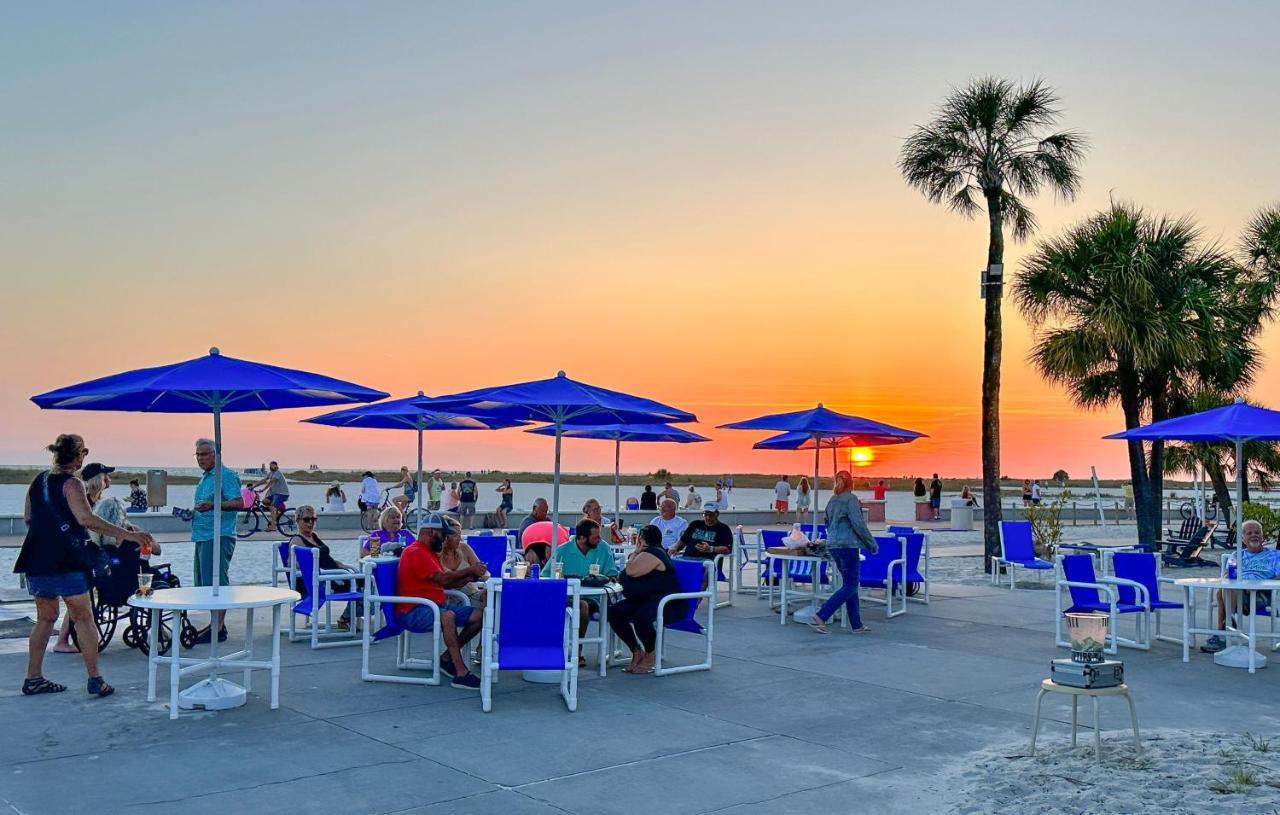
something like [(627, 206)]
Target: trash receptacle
[(157, 488), (961, 514)]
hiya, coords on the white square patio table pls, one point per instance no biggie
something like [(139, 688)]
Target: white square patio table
[(202, 598), (1250, 587)]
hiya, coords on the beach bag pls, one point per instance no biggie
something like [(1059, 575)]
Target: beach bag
[(85, 554)]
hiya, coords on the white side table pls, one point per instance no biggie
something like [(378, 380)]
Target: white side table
[(1049, 686), (214, 692)]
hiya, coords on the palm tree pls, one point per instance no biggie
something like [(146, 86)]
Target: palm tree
[(1141, 312), (991, 139)]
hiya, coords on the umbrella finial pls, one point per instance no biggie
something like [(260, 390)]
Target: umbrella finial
[(560, 374), (1239, 400), (420, 393), (820, 405), (213, 352)]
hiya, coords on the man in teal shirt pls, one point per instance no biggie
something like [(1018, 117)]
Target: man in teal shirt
[(578, 556), (202, 527)]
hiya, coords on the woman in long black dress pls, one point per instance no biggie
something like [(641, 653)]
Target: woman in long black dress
[(650, 576)]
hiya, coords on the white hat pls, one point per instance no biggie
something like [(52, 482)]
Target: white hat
[(711, 506)]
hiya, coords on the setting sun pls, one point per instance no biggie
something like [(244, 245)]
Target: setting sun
[(861, 456)]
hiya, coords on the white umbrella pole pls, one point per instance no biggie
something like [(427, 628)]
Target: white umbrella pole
[(217, 504), (418, 491), (617, 480), (555, 494), (817, 461), (1239, 519)]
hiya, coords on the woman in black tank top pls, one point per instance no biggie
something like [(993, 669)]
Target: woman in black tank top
[(650, 576)]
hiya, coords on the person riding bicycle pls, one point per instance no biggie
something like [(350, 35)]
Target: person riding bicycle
[(276, 493), (410, 484)]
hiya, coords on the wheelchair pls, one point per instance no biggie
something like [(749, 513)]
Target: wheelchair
[(110, 595)]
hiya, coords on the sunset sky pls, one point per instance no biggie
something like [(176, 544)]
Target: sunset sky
[(693, 202)]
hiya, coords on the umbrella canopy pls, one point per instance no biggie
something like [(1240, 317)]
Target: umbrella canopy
[(559, 401), (796, 440), (213, 384), (1237, 423), (407, 414), (822, 428), (618, 433)]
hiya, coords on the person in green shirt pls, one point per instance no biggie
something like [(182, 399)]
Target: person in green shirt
[(435, 485), (577, 557)]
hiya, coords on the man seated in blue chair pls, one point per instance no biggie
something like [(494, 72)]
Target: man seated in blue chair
[(706, 538), (578, 557), (422, 575), (1256, 563)]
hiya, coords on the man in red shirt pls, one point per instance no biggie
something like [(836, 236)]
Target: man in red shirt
[(422, 575)]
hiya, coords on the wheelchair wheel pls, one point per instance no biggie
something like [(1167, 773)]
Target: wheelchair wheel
[(913, 589), (187, 633), (105, 618), (138, 625)]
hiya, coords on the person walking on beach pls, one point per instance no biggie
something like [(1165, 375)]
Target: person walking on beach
[(206, 538), (468, 495), (52, 558), (1026, 492), (1035, 493), (847, 532), (781, 499), (935, 497), (803, 499)]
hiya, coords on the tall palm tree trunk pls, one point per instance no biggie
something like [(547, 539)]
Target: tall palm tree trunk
[(992, 342), (1131, 406), (1213, 468), (1155, 467)]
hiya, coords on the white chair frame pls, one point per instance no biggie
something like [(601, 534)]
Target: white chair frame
[(1108, 586), (489, 668), (1010, 566), (708, 596), (326, 635), (405, 661)]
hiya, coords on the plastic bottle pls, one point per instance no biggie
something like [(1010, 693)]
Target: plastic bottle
[(559, 570)]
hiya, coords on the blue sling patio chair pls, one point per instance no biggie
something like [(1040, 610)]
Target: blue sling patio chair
[(1017, 548), (1144, 568), (280, 565), (380, 598), (316, 587), (693, 574), (530, 625), (886, 569), (900, 530), (917, 550), (1090, 593), (807, 529), (494, 551)]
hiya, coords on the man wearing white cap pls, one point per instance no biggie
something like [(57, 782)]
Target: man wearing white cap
[(669, 523), (706, 538)]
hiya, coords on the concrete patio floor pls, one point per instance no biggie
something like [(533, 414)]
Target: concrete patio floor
[(786, 722)]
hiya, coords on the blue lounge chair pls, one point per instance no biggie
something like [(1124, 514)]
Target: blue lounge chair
[(1090, 593), (381, 583), (530, 625), (317, 597), (1017, 548), (886, 570), (917, 550), (1144, 568), (693, 573)]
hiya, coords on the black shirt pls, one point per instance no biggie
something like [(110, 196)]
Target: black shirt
[(648, 499), (697, 532), (935, 488), (655, 585), (467, 491), (47, 549)]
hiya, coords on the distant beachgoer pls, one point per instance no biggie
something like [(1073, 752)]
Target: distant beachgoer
[(508, 495), (879, 490), (1026, 492), (648, 498), (409, 482), (468, 496), (57, 513), (693, 500), (137, 498), (671, 525), (1035, 493), (335, 500), (451, 500), (803, 499), (435, 486), (370, 495), (719, 499), (669, 492), (275, 491), (781, 499), (935, 496), (967, 496), (921, 494)]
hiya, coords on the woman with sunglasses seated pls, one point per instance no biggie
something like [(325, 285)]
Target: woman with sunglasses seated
[(306, 536)]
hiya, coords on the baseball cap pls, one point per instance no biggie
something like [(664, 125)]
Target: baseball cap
[(711, 506), (94, 469), (434, 521)]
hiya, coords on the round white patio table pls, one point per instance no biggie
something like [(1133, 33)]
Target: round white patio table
[(785, 570), (214, 692), (1238, 656)]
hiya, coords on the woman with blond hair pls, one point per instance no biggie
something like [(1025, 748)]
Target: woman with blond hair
[(847, 533)]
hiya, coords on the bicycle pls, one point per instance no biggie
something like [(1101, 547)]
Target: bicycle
[(370, 516), (258, 517), (1189, 509)]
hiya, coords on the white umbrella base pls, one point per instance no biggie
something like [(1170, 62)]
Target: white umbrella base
[(214, 693), (1237, 656), (543, 677)]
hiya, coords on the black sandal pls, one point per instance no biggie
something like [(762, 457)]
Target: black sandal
[(30, 687), (99, 687)]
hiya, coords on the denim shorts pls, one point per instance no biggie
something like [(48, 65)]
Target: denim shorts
[(278, 501), (64, 584), (422, 619)]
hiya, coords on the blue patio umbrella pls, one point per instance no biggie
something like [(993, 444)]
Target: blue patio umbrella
[(560, 402), (1237, 423), (406, 414), (618, 433), (822, 423), (214, 384)]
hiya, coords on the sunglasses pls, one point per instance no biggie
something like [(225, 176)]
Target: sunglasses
[(308, 518)]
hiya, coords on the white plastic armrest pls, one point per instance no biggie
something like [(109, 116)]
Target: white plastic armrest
[(1143, 596), (458, 594), (401, 599), (1110, 591)]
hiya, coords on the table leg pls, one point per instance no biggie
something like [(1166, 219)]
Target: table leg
[(248, 647), (175, 651), (154, 618), (1187, 611), (1074, 702), (1097, 731), (785, 578), (275, 657), (1133, 716), (1035, 727)]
